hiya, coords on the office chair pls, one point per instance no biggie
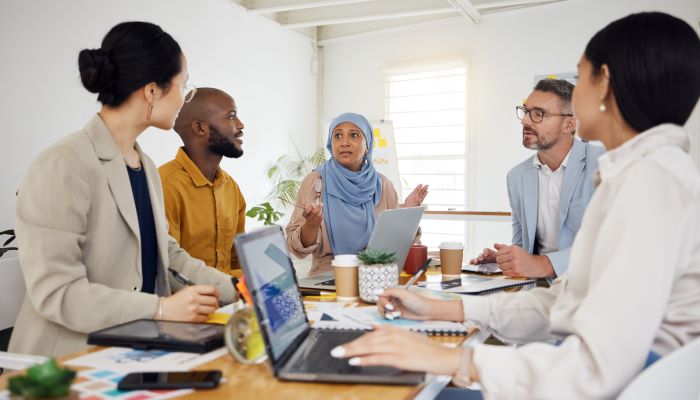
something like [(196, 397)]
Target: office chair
[(674, 376)]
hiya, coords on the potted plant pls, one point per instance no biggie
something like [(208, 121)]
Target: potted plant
[(264, 212), (377, 271), (45, 380), (285, 175)]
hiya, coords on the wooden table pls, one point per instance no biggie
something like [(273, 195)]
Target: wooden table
[(257, 382)]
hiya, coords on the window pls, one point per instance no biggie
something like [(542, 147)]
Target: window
[(429, 113), (428, 110)]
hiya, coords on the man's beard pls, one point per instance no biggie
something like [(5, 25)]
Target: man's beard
[(538, 144), (218, 144)]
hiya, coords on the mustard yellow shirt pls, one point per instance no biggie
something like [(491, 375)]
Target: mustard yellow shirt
[(203, 216)]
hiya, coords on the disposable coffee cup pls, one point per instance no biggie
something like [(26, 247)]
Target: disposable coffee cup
[(451, 255), (345, 270)]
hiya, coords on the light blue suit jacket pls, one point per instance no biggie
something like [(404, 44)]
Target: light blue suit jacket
[(576, 191)]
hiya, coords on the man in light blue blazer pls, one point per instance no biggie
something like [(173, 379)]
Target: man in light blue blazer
[(549, 191)]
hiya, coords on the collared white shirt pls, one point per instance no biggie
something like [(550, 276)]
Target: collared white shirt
[(548, 204)]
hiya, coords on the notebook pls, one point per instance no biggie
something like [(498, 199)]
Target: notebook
[(472, 284), (362, 318)]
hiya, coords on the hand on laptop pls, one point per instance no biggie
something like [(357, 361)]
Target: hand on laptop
[(488, 256), (518, 263), (191, 304), (414, 306), (399, 348), (416, 197)]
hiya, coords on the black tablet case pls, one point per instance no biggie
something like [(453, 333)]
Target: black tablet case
[(145, 334)]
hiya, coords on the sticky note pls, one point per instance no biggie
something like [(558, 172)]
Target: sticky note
[(219, 318)]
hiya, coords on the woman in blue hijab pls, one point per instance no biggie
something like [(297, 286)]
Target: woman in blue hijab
[(343, 197)]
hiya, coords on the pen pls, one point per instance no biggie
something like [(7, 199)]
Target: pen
[(418, 273), (303, 214), (389, 308), (307, 292), (243, 290), (290, 203), (181, 278)]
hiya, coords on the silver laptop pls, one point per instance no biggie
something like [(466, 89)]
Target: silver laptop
[(296, 351), (394, 231)]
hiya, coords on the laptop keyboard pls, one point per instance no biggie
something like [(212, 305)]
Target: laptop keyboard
[(317, 355)]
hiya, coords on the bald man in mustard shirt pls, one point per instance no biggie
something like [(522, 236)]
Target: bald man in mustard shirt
[(203, 204)]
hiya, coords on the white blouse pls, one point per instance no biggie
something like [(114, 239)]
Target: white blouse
[(633, 283)]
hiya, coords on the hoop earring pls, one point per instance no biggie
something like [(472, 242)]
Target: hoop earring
[(602, 107), (150, 110)]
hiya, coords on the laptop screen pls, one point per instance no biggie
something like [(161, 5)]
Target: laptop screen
[(265, 257)]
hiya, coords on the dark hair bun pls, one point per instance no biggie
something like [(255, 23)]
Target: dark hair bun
[(96, 70), (132, 54)]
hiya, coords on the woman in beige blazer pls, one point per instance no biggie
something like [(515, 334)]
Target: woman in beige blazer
[(92, 233)]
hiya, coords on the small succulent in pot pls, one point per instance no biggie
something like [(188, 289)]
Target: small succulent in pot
[(377, 272), (373, 257), (42, 381)]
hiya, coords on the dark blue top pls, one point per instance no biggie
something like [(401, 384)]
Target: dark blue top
[(147, 229)]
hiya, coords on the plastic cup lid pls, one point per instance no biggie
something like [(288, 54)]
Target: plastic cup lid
[(451, 246), (345, 260)]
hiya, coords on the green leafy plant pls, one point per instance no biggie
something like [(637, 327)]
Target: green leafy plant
[(373, 256), (4, 249), (285, 175), (264, 212), (42, 380)]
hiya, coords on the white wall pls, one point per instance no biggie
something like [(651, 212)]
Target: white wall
[(505, 51), (265, 68)]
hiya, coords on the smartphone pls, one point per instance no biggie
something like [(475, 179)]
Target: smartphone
[(170, 380)]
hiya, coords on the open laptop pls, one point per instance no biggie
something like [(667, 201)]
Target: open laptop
[(394, 231), (296, 351)]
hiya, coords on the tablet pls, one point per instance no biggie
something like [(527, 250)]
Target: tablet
[(486, 269), (146, 334)]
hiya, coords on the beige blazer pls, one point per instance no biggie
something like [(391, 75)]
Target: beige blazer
[(321, 249), (79, 245)]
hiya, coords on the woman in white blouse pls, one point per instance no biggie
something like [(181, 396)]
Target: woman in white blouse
[(631, 290)]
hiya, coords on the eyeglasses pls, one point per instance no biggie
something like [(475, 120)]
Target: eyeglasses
[(189, 91), (536, 114)]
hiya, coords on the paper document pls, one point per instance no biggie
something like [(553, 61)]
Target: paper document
[(102, 384), (315, 309), (124, 359)]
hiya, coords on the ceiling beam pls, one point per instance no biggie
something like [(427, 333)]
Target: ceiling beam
[(466, 8), (511, 3), (271, 6), (369, 11), (333, 33)]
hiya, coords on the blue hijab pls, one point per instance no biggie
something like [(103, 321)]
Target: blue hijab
[(349, 197)]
